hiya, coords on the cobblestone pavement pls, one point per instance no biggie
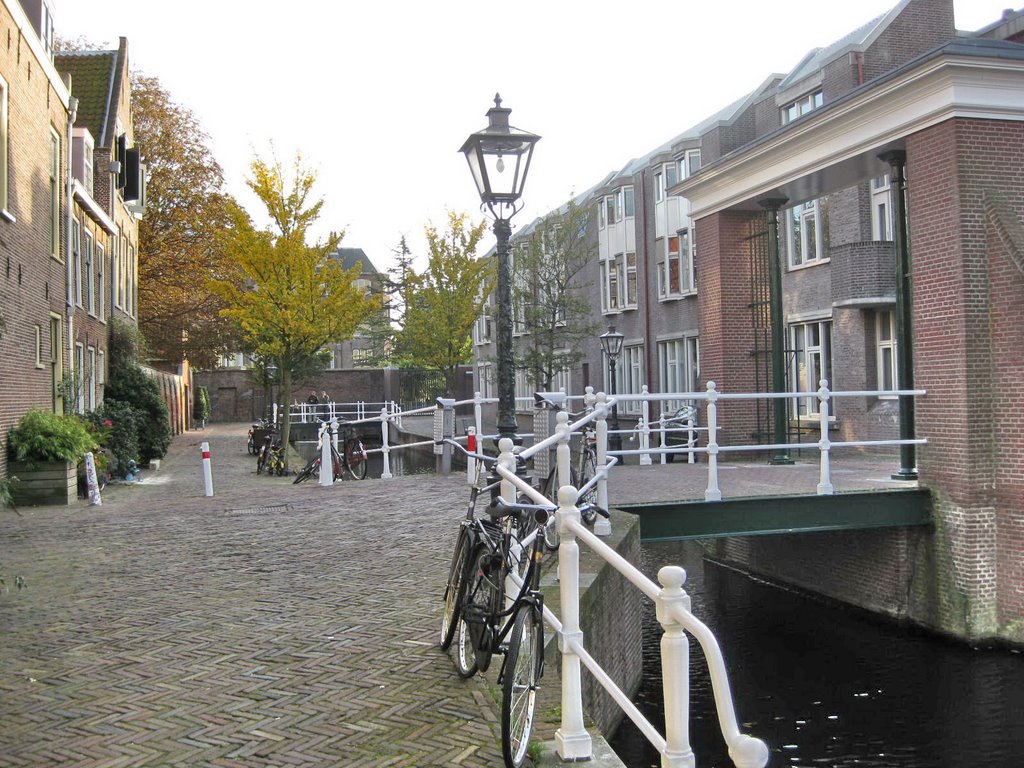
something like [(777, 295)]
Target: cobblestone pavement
[(269, 625)]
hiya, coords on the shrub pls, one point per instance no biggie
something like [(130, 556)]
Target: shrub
[(202, 405), (42, 436), (122, 443), (129, 385)]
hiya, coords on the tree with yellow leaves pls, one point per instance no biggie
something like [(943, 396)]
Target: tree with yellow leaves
[(443, 302), (288, 299)]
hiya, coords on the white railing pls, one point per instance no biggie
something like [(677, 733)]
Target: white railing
[(572, 741)]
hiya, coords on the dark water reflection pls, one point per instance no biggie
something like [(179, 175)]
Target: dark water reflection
[(825, 686)]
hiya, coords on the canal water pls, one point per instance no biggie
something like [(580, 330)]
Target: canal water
[(829, 687)]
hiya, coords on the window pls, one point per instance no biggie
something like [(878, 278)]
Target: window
[(76, 262), (90, 286), (485, 379), (626, 203), (132, 295), (811, 345), (610, 283), (675, 265), (54, 194), (631, 280), (692, 161), (602, 218), (482, 328), (39, 346), (881, 208), (79, 378), (678, 369), (101, 288), (664, 180), (806, 233), (122, 255), (609, 209), (885, 344), (87, 165), (101, 375), (3, 147), (629, 376), (91, 379), (801, 106)]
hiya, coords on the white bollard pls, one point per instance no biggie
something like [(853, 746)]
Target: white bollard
[(385, 449), (207, 469), (93, 483), (326, 460), (470, 461)]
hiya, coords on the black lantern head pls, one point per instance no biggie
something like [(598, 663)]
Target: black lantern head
[(611, 343), (499, 158)]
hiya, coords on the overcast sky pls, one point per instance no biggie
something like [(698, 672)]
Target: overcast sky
[(379, 95)]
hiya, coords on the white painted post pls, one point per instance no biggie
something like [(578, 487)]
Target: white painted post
[(91, 481), (563, 453), (712, 492), (326, 462), (602, 526), (645, 428), (572, 742), (478, 414), (675, 669), (825, 487), (507, 459), (385, 446), (334, 432), (207, 469), (470, 461)]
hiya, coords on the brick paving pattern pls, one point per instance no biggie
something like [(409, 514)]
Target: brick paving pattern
[(270, 625)]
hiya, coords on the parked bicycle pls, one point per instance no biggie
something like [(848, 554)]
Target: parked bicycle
[(582, 471), (491, 551), (270, 456), (260, 425), (352, 458)]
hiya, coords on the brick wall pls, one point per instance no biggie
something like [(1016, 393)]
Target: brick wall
[(923, 25), (32, 283)]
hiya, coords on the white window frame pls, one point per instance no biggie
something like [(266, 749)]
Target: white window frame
[(79, 373), (55, 176), (802, 106), (886, 345), (4, 157), (101, 288), (678, 368), (630, 283), (485, 378), (811, 362), (629, 377), (90, 288), (101, 375), (76, 262), (881, 208), (691, 163), (91, 370), (799, 220)]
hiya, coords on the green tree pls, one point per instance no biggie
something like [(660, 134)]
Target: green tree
[(178, 247), (288, 299), (443, 302), (549, 293)]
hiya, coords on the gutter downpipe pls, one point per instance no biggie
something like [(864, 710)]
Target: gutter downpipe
[(647, 288), (70, 195)]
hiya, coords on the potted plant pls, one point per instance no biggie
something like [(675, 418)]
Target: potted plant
[(43, 453)]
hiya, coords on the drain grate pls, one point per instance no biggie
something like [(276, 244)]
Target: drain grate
[(259, 510)]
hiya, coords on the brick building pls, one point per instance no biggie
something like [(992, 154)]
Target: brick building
[(72, 188), (880, 183)]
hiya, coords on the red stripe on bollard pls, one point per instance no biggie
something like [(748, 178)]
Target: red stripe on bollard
[(206, 454)]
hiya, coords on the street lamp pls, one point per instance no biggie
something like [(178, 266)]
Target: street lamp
[(611, 343), (499, 158), (271, 371)]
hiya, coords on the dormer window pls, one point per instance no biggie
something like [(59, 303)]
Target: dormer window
[(802, 106), (82, 158)]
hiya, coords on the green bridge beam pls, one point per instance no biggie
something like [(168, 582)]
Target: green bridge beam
[(674, 520)]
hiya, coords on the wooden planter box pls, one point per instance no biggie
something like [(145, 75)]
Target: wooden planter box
[(44, 482)]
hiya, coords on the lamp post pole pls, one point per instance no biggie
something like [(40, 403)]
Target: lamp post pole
[(271, 371), (499, 159), (611, 343)]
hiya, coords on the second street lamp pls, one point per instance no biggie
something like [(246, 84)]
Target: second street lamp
[(499, 159), (611, 343)]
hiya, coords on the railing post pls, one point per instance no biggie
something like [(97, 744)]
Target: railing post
[(334, 432), (825, 487), (572, 742), (385, 445), (563, 453), (645, 428), (712, 492), (675, 669), (478, 414), (326, 462), (602, 526)]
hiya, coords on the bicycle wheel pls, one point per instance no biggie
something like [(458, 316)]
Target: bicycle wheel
[(551, 537), (484, 597), (588, 468), (455, 590), (261, 460), (521, 679), (307, 471), (251, 446), (355, 458)]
